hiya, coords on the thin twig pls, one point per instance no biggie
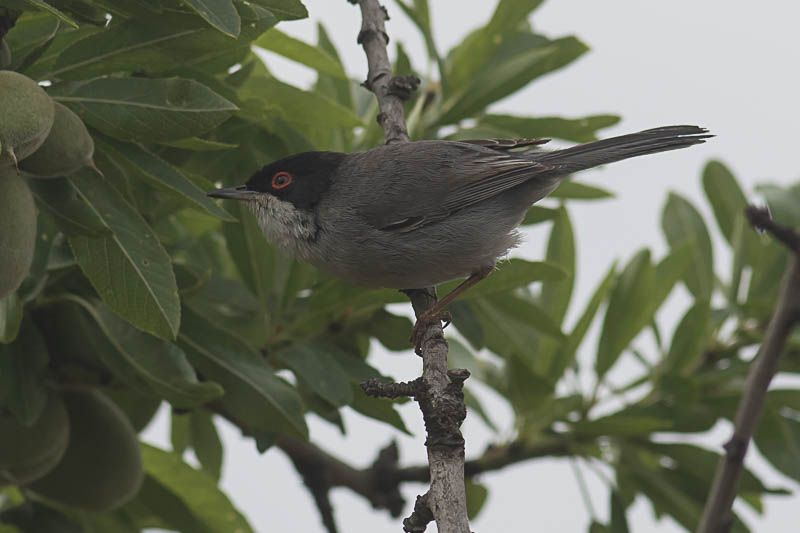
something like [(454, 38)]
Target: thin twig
[(717, 517)]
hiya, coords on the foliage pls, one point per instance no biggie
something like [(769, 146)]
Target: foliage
[(143, 287)]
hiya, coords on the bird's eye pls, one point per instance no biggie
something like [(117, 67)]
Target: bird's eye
[(281, 180)]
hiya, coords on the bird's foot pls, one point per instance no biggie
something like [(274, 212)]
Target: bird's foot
[(424, 320)]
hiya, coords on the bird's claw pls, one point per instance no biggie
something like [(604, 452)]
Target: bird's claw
[(423, 321)]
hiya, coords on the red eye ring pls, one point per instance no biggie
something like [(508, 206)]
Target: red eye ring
[(281, 180)]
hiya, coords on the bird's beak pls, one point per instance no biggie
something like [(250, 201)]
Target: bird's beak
[(233, 193)]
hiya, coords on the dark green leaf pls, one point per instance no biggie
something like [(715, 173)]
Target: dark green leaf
[(391, 330), (682, 223), (179, 434), (72, 214), (555, 295), (537, 214), (144, 362), (44, 6), (151, 168), (205, 442), (318, 367), (302, 52), (690, 339), (284, 9), (196, 490), (621, 424), (474, 404), (579, 130), (476, 498), (580, 191), (10, 317), (627, 311), (619, 522), (253, 393), (510, 275), (147, 110), (129, 268), (725, 196), (778, 435), (380, 409), (219, 13), (23, 364), (198, 144), (31, 34)]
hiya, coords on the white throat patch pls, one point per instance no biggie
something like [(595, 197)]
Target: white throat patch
[(290, 229)]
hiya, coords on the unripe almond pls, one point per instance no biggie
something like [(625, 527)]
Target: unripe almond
[(68, 148), (26, 116), (17, 230)]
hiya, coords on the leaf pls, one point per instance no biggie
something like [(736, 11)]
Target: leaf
[(725, 196), (157, 44), (284, 9), (690, 339), (23, 364), (147, 110), (198, 144), (579, 191), (681, 223), (778, 435), (381, 409), (179, 437), (70, 212), (128, 268), (783, 203), (521, 57), (391, 330), (627, 307), (44, 6), (555, 295), (253, 393), (510, 275), (312, 56), (476, 498), (10, 317), (196, 490), (579, 130), (206, 442), (145, 363), (315, 364), (151, 168), (619, 522), (537, 214), (621, 425), (219, 13), (31, 35)]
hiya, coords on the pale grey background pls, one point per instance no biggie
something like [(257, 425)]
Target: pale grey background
[(728, 65)]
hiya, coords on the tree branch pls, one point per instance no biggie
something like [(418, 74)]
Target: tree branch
[(439, 393), (717, 516)]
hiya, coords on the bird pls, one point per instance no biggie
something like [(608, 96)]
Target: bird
[(417, 214)]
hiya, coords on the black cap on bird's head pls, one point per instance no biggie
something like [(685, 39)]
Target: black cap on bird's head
[(300, 179)]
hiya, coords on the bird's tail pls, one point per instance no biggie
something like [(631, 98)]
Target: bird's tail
[(614, 149)]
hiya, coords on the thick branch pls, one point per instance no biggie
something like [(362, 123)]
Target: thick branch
[(717, 516)]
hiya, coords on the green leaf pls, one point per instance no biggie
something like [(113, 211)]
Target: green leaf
[(579, 130), (725, 196), (566, 355), (253, 393), (555, 295), (476, 498), (10, 317), (196, 490), (783, 203), (147, 110), (778, 435), (219, 13), (316, 365), (478, 49), (23, 364), (144, 362), (621, 425), (284, 9), (31, 35), (312, 56), (580, 191), (681, 223), (44, 6), (179, 436), (206, 443), (521, 57), (619, 522), (627, 311), (690, 339), (380, 409), (391, 330), (198, 144), (128, 268), (510, 275), (537, 214), (272, 99), (72, 215), (151, 168), (157, 44)]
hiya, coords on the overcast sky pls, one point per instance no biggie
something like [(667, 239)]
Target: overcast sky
[(730, 66)]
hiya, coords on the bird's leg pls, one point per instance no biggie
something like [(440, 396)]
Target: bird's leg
[(437, 312)]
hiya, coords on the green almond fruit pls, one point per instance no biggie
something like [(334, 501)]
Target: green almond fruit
[(29, 452), (17, 230), (26, 116), (68, 148), (102, 467)]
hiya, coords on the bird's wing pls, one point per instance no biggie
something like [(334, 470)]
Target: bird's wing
[(506, 144), (430, 180)]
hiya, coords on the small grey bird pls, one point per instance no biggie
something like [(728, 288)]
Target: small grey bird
[(417, 214)]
